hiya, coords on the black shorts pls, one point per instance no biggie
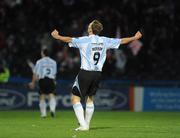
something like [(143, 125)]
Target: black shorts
[(86, 83), (47, 86)]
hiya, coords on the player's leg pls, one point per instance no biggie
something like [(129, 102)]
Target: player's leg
[(89, 110), (52, 104), (96, 76), (42, 105), (42, 98), (79, 89), (52, 99), (79, 112)]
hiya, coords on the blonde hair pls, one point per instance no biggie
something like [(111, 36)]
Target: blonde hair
[(96, 27)]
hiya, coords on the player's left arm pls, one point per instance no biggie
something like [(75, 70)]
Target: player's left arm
[(34, 76), (126, 40), (33, 82), (55, 34)]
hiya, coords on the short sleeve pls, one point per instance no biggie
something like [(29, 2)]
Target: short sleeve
[(79, 42), (76, 42), (112, 43)]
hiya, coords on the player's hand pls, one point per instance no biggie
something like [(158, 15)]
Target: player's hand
[(138, 35), (31, 85), (54, 33)]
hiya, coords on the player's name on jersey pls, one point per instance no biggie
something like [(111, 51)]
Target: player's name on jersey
[(97, 48), (97, 43)]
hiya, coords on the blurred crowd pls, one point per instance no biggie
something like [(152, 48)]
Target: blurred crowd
[(25, 27)]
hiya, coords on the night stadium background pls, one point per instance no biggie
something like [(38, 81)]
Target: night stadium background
[(139, 95)]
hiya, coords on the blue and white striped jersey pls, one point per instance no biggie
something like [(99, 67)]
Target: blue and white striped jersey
[(93, 50), (45, 67)]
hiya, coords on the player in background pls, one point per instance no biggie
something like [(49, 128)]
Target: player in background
[(45, 73), (93, 55)]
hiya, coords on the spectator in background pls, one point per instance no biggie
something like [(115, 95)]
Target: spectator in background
[(4, 73), (158, 19), (135, 47)]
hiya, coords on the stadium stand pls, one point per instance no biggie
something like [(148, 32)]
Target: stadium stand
[(25, 27)]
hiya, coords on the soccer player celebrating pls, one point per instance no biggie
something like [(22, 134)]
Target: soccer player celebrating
[(45, 72), (93, 55)]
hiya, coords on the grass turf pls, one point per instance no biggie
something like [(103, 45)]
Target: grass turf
[(28, 124)]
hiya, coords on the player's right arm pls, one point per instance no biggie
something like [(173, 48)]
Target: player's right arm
[(73, 42), (66, 39)]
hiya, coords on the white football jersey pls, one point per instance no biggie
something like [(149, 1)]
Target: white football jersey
[(93, 50), (45, 67)]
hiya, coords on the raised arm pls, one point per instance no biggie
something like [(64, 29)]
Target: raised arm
[(126, 40), (55, 34)]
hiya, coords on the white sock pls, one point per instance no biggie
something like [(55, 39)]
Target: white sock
[(52, 104), (89, 112), (42, 105), (79, 111)]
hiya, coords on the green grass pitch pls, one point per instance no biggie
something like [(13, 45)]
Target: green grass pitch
[(28, 124)]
